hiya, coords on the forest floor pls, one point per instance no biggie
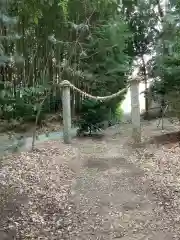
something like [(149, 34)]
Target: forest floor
[(52, 122), (103, 188)]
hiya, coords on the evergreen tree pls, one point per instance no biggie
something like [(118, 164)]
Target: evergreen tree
[(165, 67)]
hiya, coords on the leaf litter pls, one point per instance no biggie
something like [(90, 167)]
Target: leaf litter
[(39, 184), (38, 198)]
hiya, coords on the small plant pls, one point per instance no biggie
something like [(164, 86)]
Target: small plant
[(92, 114), (119, 112)]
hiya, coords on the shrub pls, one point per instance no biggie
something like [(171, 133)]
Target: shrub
[(92, 114), (119, 112)]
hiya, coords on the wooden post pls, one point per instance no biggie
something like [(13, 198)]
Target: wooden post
[(66, 111), (135, 111)]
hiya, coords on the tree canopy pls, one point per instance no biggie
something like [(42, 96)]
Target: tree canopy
[(93, 44)]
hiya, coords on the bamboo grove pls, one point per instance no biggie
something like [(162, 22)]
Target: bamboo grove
[(55, 40), (93, 44)]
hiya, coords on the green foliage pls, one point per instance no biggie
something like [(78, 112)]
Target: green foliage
[(22, 105), (142, 21), (105, 64), (8, 33), (105, 59), (119, 112), (165, 65), (90, 43), (92, 114)]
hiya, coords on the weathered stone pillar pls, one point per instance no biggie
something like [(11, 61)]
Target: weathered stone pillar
[(66, 111), (135, 111)]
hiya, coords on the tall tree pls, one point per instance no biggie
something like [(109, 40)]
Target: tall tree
[(66, 40), (166, 63), (142, 19)]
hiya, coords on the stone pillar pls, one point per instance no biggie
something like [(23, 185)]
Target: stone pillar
[(135, 111), (66, 111)]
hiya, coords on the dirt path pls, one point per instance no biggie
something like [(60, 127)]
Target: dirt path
[(93, 189), (116, 199), (113, 201)]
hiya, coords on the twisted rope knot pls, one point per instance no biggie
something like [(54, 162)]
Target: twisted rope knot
[(66, 83)]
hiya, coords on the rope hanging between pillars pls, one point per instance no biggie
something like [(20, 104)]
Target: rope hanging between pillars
[(135, 111)]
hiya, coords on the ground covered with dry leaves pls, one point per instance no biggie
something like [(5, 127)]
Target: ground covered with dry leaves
[(93, 189)]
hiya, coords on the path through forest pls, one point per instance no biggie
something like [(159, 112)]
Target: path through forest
[(92, 189)]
